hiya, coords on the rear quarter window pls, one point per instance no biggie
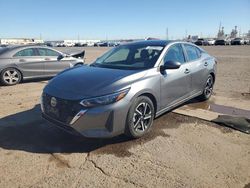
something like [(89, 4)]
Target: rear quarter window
[(47, 52)]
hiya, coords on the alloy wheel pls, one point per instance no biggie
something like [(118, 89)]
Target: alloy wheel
[(142, 117), (11, 77), (209, 87)]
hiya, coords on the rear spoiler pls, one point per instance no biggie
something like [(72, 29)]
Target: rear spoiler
[(78, 54)]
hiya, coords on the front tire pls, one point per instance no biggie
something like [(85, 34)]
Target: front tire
[(10, 76), (140, 117), (78, 64), (208, 89)]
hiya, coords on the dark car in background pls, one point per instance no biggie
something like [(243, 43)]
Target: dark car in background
[(126, 88), (222, 42), (202, 42), (19, 63)]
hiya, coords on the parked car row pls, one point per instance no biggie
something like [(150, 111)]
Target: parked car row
[(79, 44), (106, 44), (225, 41)]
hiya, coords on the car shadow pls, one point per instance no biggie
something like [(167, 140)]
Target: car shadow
[(36, 80), (28, 131)]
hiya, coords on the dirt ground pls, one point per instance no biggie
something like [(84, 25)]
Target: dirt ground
[(180, 151)]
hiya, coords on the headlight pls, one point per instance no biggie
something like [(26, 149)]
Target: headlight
[(104, 100)]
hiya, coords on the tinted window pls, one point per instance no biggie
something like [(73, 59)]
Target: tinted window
[(192, 52), (47, 52), (175, 53), (26, 52), (198, 51), (51, 53)]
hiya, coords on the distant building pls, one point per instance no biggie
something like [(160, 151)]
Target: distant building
[(72, 42), (234, 32), (20, 41), (248, 34), (221, 33)]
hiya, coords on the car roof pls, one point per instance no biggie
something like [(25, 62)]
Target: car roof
[(11, 50), (12, 47), (151, 42)]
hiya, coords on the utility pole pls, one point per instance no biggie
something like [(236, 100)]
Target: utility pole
[(167, 33)]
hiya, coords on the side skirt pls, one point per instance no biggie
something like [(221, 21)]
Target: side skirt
[(168, 108)]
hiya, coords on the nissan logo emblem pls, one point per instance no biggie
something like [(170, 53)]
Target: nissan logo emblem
[(53, 101)]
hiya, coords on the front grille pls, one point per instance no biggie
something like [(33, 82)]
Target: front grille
[(63, 111)]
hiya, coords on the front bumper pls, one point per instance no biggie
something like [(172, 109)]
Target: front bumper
[(103, 121)]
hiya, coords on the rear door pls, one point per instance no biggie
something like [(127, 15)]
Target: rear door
[(198, 66), (175, 83), (52, 65), (29, 63)]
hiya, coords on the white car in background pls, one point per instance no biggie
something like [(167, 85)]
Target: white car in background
[(211, 41)]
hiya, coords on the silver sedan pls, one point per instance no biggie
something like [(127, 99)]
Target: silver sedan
[(125, 89), (18, 63)]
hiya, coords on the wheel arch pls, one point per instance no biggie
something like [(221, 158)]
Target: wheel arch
[(150, 95), (213, 75), (152, 98), (78, 63)]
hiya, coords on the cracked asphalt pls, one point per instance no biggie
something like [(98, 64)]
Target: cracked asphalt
[(180, 151)]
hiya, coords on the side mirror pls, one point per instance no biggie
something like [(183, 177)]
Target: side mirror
[(60, 57), (170, 65)]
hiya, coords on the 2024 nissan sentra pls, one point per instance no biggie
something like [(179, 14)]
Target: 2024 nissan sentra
[(126, 88), (18, 63)]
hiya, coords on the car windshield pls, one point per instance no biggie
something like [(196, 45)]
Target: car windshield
[(131, 57)]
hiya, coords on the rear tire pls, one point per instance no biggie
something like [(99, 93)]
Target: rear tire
[(208, 90), (10, 76), (140, 117)]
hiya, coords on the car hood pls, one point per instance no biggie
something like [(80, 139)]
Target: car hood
[(85, 81)]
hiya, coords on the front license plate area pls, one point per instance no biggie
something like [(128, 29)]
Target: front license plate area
[(53, 111)]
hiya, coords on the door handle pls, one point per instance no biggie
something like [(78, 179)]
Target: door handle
[(21, 60), (187, 71), (205, 64), (47, 59)]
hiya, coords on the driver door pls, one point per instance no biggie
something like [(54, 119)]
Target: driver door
[(52, 65), (28, 61), (175, 83)]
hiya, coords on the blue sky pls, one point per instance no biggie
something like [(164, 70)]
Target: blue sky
[(115, 19)]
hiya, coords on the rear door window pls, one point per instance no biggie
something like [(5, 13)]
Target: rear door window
[(193, 53), (175, 53), (47, 52)]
